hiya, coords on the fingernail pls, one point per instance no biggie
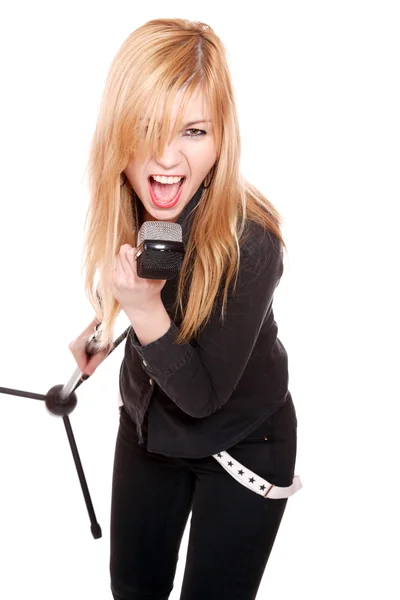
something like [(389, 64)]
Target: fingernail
[(84, 377)]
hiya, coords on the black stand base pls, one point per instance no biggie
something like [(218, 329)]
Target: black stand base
[(62, 408)]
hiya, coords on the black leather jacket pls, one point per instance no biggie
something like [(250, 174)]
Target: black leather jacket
[(196, 399)]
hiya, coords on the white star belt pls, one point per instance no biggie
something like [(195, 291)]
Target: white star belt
[(254, 482)]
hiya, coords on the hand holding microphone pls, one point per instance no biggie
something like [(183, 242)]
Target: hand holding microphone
[(140, 273)]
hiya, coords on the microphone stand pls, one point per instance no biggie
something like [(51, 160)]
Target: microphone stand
[(60, 401)]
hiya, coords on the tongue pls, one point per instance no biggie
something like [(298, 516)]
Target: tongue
[(164, 191)]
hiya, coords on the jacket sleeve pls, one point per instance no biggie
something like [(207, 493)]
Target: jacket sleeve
[(200, 377)]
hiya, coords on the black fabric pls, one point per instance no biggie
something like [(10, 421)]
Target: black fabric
[(232, 529), (197, 399)]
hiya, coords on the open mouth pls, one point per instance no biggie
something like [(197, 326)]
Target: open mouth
[(165, 194)]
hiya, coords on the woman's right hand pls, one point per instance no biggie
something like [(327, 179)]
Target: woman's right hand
[(87, 363)]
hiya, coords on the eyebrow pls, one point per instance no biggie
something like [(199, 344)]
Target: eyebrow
[(193, 122), (198, 121)]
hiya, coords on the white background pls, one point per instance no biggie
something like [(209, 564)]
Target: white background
[(317, 87)]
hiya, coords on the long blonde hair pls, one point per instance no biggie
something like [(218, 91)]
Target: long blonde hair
[(157, 60)]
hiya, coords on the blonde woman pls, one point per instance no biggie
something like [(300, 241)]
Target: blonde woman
[(207, 423)]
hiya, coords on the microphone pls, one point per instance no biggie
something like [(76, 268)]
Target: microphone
[(159, 256), (160, 250)]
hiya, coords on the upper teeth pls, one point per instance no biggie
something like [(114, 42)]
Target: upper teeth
[(164, 179)]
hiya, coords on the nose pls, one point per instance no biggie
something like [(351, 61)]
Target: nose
[(170, 157)]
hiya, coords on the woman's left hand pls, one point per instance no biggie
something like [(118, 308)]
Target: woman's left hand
[(131, 291)]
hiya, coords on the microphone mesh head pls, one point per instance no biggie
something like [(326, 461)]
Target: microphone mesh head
[(159, 230), (155, 264)]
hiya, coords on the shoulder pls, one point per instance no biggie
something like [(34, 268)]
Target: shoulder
[(261, 246)]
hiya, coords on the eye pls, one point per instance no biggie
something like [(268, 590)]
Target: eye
[(200, 133)]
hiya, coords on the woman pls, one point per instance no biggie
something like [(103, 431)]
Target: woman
[(205, 404)]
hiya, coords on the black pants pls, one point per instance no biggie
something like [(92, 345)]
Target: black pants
[(232, 529)]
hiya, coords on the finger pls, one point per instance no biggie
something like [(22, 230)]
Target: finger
[(95, 361), (128, 261)]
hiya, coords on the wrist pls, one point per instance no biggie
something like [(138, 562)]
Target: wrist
[(150, 324), (142, 314)]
